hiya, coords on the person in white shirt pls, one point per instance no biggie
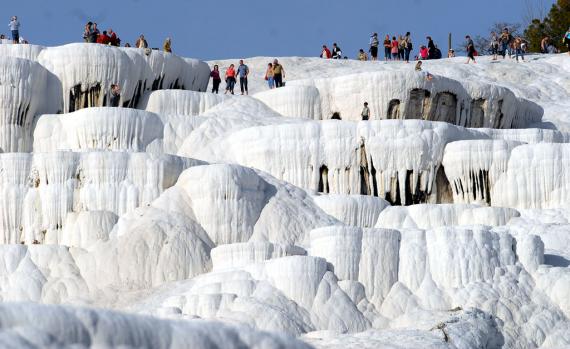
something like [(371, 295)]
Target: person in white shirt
[(15, 28)]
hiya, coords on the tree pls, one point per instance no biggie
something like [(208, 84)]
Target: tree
[(534, 9), (554, 25)]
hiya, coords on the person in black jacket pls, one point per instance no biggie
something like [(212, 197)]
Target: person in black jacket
[(431, 48), (336, 52)]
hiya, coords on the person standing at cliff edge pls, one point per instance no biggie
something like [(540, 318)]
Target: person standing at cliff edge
[(216, 79), (230, 79), (374, 46), (15, 28), (278, 74), (243, 72)]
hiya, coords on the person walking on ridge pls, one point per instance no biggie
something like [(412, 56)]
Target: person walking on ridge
[(470, 48), (519, 48), (374, 46), (230, 79), (243, 72), (216, 80), (505, 40), (15, 29), (278, 74), (269, 76)]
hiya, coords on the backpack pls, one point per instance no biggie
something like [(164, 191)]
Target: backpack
[(410, 46)]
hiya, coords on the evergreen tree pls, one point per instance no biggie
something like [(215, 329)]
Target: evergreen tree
[(554, 25)]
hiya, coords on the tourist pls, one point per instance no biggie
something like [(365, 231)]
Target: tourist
[(470, 48), (269, 76), (505, 41), (365, 112), (408, 47), (87, 31), (15, 28), (451, 53), (431, 48), (424, 53), (278, 74), (395, 49), (230, 79), (418, 68), (167, 46), (387, 48), (519, 48), (216, 79), (115, 41), (325, 53), (115, 95), (93, 33), (437, 53), (141, 42), (494, 43), (401, 48), (544, 44), (374, 46), (336, 52), (127, 45), (104, 39), (362, 56), (243, 72)]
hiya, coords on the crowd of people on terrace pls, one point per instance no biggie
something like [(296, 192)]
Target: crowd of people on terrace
[(396, 48)]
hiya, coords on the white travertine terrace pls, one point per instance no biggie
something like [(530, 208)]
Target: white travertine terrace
[(256, 222)]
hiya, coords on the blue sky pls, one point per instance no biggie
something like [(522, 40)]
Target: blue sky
[(213, 29)]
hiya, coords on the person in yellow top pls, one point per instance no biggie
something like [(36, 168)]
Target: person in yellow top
[(167, 45), (362, 56)]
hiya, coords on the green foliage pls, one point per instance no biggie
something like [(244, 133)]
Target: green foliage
[(554, 25)]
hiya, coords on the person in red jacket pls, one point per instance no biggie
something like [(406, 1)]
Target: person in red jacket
[(326, 53), (230, 79), (104, 38), (424, 52), (114, 40)]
